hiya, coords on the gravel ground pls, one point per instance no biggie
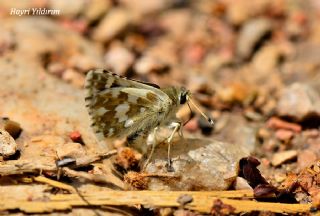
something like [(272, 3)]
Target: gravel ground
[(252, 66)]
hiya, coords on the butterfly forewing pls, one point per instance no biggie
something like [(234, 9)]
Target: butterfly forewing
[(119, 107)]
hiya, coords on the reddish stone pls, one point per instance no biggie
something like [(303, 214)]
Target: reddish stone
[(80, 26), (284, 135), (306, 158), (276, 123), (194, 53), (75, 136)]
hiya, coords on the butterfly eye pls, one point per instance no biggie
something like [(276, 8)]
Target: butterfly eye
[(183, 98)]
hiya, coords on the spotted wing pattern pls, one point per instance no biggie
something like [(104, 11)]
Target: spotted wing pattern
[(121, 107)]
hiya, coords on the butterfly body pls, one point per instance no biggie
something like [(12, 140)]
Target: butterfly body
[(121, 107)]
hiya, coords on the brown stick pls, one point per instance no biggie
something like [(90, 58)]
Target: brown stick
[(28, 166), (202, 201)]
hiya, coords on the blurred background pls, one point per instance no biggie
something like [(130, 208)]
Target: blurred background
[(254, 66)]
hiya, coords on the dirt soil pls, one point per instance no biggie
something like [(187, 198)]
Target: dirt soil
[(251, 66)]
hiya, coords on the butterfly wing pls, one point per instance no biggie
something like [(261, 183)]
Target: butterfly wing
[(99, 80), (119, 107)]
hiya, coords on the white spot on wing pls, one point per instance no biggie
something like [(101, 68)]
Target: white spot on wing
[(121, 111), (122, 108), (115, 93), (109, 82), (136, 92), (101, 111), (142, 109), (123, 118), (132, 99), (110, 132), (128, 123)]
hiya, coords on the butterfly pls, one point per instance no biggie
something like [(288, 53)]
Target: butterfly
[(121, 107)]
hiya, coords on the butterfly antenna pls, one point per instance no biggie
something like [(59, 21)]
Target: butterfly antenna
[(190, 116), (200, 111)]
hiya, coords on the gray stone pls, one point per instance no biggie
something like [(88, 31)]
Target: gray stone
[(234, 128), (282, 157), (70, 8), (251, 33), (119, 58), (299, 101), (7, 144), (199, 164), (115, 21)]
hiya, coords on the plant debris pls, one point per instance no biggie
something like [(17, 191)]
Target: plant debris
[(253, 66)]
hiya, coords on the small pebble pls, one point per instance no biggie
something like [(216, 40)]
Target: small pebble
[(96, 8), (119, 59), (251, 34), (56, 68), (72, 76), (242, 184), (270, 145), (266, 59), (194, 53), (78, 25), (13, 128), (265, 162), (115, 21), (75, 136), (8, 146), (276, 123), (147, 64), (184, 199), (65, 162), (68, 8), (205, 126), (311, 133), (236, 92), (83, 63), (253, 116), (239, 12), (70, 150), (284, 135), (269, 107), (306, 158), (282, 157), (264, 133), (299, 101), (198, 83), (280, 177), (166, 211)]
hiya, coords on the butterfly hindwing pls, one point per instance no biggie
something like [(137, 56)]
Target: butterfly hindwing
[(120, 107)]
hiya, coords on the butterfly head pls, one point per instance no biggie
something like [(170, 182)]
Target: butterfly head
[(183, 95)]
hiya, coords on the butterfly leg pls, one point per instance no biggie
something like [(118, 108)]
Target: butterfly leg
[(177, 126), (180, 132), (152, 148)]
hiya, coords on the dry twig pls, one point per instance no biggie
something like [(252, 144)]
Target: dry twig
[(202, 201)]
